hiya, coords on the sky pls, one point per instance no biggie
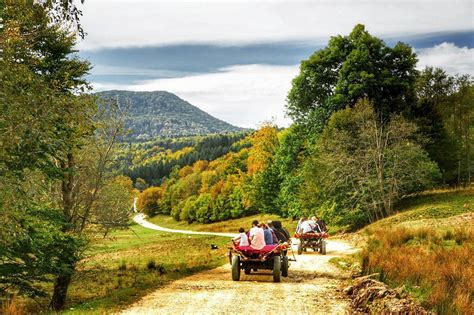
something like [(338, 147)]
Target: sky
[(236, 59)]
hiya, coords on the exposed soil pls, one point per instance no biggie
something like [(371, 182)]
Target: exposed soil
[(313, 286), (374, 297)]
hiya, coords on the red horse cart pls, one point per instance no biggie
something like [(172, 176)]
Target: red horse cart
[(315, 241), (271, 257)]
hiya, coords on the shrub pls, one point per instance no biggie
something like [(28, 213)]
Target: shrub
[(122, 266), (151, 265)]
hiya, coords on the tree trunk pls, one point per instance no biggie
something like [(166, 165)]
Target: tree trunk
[(60, 291)]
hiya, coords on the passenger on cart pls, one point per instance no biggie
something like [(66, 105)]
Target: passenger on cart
[(317, 228), (307, 226), (242, 239), (256, 236)]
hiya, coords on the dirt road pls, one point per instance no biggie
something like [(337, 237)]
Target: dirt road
[(312, 287)]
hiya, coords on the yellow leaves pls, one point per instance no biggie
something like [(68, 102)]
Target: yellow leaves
[(148, 199), (200, 166), (208, 179), (265, 143), (185, 171)]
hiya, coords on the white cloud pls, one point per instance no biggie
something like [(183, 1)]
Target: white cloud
[(241, 95), (449, 57), (136, 23), (248, 95)]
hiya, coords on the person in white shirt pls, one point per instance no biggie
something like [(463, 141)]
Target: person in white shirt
[(244, 240), (256, 236), (306, 227)]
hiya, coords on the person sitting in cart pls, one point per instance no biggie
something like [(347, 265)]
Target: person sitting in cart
[(298, 226), (317, 228), (306, 226), (242, 238), (256, 236), (270, 237)]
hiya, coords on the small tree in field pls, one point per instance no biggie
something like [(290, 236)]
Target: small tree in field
[(364, 164)]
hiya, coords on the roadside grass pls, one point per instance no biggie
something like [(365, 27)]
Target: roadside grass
[(427, 247), (434, 265), (131, 263), (229, 226)]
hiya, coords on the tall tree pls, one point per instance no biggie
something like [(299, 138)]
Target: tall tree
[(263, 191), (458, 114), (349, 68), (366, 165), (57, 131)]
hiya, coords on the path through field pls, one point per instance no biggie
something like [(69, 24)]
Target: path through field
[(313, 286)]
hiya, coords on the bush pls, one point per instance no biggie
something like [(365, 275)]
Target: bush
[(151, 265), (122, 266)]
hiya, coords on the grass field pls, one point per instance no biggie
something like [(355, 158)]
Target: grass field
[(131, 263), (229, 226), (427, 248), (432, 208)]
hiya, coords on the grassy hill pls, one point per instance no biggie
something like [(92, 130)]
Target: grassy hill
[(433, 209), (163, 114)]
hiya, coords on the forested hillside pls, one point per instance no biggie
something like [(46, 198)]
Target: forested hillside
[(163, 114), (148, 163)]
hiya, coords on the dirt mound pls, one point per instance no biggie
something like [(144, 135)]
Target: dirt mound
[(374, 297)]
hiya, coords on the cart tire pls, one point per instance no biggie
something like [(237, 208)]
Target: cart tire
[(247, 270), (300, 248), (323, 247), (284, 266), (276, 269), (236, 268)]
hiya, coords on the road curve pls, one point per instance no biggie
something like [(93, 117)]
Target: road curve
[(141, 220)]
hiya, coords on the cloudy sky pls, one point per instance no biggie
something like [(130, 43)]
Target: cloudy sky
[(236, 59)]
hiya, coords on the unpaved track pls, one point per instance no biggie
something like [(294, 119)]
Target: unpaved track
[(312, 287)]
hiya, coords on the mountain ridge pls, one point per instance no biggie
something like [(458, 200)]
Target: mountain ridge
[(164, 114)]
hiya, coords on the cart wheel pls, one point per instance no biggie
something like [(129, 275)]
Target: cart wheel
[(284, 266), (300, 248), (247, 270), (276, 269), (236, 268), (323, 247)]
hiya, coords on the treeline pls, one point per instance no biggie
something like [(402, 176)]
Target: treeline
[(150, 162), (369, 128)]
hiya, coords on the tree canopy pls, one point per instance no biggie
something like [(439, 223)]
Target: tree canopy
[(349, 68)]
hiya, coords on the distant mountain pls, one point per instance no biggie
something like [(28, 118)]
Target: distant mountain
[(163, 114)]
